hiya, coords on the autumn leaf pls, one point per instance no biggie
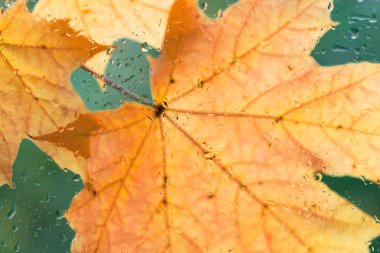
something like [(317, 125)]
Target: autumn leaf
[(128, 67), (36, 58), (107, 21), (244, 122), (118, 23)]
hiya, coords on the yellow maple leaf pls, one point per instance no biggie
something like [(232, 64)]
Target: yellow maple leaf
[(225, 161), (107, 21), (36, 58)]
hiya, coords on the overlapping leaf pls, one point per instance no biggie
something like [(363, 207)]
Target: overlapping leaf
[(117, 22), (107, 21), (36, 58), (226, 159)]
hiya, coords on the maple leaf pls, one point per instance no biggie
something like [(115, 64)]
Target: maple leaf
[(36, 58), (111, 22), (107, 21), (225, 161)]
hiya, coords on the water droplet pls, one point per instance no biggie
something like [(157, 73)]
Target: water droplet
[(12, 212), (17, 247), (220, 13), (338, 48), (77, 178), (8, 3), (144, 47), (63, 237), (364, 180), (46, 199), (354, 33), (23, 178), (376, 218), (60, 214), (330, 7), (208, 155), (204, 6), (109, 51), (318, 176), (211, 195)]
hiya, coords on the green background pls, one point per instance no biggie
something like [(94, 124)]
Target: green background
[(355, 39), (31, 212)]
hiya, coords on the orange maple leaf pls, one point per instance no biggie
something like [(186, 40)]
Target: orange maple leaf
[(226, 159), (36, 58)]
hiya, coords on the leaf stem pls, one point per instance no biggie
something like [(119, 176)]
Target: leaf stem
[(126, 93)]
